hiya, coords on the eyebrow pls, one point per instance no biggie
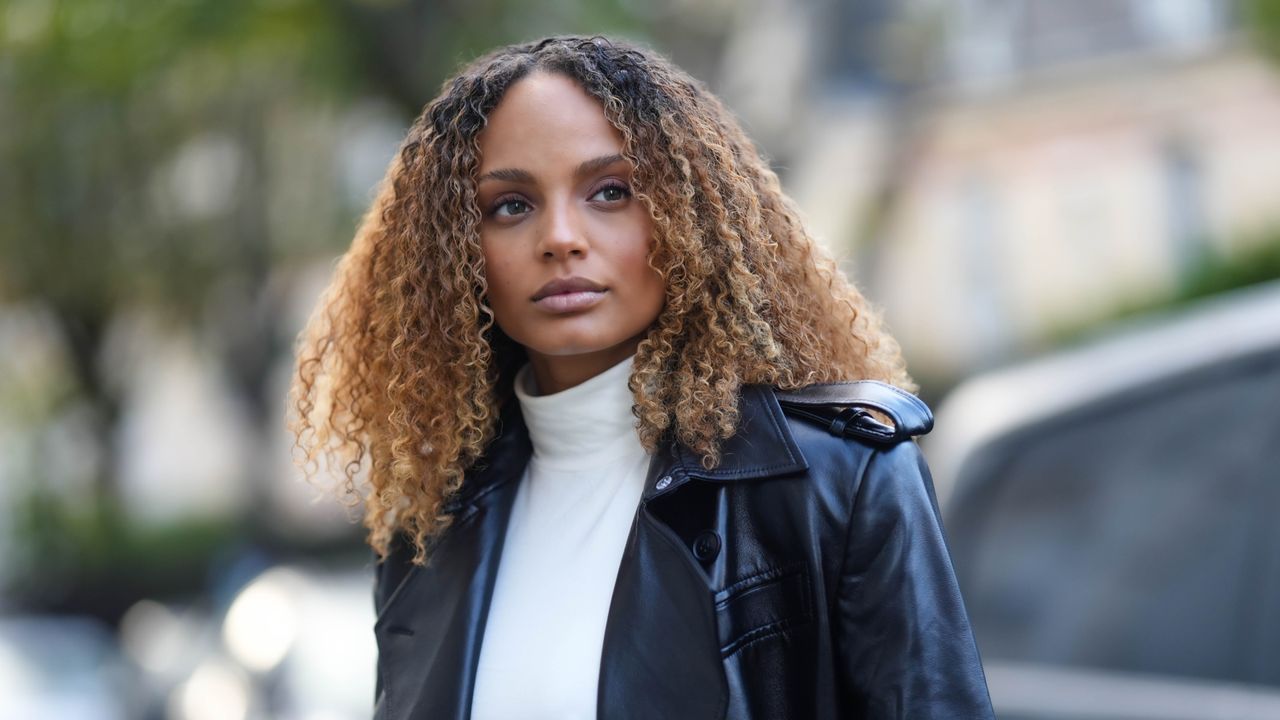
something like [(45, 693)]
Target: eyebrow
[(516, 175)]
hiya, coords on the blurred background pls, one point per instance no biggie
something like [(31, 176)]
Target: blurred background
[(1069, 211)]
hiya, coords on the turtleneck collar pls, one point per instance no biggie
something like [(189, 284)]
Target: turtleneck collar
[(575, 427)]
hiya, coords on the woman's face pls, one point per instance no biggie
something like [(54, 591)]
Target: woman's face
[(565, 244)]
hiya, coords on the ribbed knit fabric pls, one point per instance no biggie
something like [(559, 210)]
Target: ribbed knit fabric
[(540, 657)]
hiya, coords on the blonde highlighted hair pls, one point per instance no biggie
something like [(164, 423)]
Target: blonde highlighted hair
[(401, 370)]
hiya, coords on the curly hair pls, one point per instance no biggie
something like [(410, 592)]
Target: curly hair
[(401, 370)]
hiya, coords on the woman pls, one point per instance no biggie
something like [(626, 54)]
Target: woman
[(592, 363)]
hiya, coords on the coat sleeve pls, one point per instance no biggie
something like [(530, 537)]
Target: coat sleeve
[(905, 647)]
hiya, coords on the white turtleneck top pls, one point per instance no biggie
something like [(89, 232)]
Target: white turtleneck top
[(540, 656)]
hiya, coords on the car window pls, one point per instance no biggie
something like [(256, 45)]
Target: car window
[(1136, 533)]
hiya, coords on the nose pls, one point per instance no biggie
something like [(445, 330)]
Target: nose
[(562, 234)]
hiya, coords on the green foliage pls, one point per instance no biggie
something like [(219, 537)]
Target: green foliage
[(1258, 263), (93, 560), (1262, 17), (104, 94)]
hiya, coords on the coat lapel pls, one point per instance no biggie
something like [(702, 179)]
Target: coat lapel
[(661, 654), (430, 630), (660, 657)]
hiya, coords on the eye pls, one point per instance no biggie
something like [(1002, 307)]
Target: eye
[(509, 206), (613, 192)]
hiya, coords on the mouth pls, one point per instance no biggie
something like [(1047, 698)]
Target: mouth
[(567, 286), (564, 295)]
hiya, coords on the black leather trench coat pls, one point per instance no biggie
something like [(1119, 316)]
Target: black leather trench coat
[(806, 577)]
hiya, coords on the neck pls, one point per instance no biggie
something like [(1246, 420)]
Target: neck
[(574, 427), (555, 373)]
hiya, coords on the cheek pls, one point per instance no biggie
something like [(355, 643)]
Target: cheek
[(652, 290), (644, 247), (655, 293), (498, 280)]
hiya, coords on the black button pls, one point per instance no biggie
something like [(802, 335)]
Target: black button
[(706, 546)]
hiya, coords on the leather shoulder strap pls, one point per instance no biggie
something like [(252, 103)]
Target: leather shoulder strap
[(843, 408)]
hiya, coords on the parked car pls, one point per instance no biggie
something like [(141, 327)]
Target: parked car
[(1114, 516)]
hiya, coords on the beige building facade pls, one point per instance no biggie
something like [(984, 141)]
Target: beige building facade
[(1046, 163), (1030, 211)]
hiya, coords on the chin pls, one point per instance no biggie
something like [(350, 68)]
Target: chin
[(570, 349), (570, 344)]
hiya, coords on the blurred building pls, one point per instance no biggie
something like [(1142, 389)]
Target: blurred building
[(993, 171)]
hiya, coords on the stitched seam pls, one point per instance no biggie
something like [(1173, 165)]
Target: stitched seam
[(750, 471), (777, 627), (749, 591), (732, 592), (891, 388), (716, 474), (764, 632), (759, 578)]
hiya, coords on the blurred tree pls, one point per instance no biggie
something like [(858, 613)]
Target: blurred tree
[(140, 157), (1263, 19), (101, 97)]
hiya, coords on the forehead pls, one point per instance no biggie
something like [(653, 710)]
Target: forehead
[(544, 120)]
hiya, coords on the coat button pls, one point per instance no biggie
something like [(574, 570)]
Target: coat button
[(706, 546), (664, 482)]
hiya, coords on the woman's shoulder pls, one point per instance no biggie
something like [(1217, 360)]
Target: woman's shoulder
[(860, 436), (867, 410)]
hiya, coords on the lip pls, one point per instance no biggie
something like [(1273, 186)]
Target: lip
[(564, 295), (561, 286)]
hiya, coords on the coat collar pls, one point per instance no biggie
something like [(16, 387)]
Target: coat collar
[(762, 447), (430, 628)]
